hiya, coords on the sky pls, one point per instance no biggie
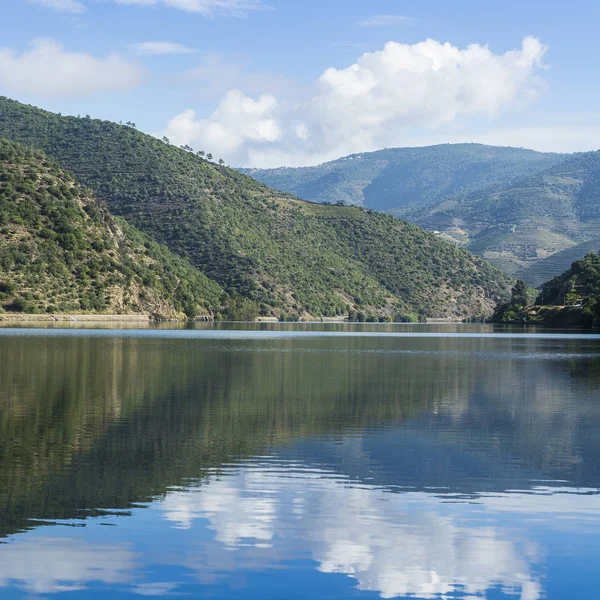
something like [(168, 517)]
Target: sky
[(268, 83)]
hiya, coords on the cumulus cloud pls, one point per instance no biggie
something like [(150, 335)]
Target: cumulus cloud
[(160, 48), (204, 7), (368, 105), (385, 20), (238, 120), (47, 69)]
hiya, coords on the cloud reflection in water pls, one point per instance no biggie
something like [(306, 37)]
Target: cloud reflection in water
[(393, 543)]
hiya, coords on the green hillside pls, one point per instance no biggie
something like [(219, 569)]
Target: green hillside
[(578, 285), (61, 251), (288, 256), (569, 299), (526, 223), (516, 208), (394, 180)]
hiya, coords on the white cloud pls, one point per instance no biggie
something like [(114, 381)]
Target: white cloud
[(47, 69), (385, 21), (236, 121), (160, 48), (204, 7), (65, 6), (371, 104)]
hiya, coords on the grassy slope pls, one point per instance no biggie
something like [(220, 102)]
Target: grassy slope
[(61, 251), (288, 255)]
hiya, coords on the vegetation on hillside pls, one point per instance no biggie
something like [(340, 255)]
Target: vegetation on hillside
[(287, 256), (61, 251), (516, 208), (523, 224), (572, 296), (578, 286), (545, 269), (514, 310)]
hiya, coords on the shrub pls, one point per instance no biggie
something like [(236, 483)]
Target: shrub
[(7, 288), (18, 305)]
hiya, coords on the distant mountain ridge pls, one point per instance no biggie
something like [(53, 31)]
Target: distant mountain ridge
[(396, 179), (291, 258), (516, 208)]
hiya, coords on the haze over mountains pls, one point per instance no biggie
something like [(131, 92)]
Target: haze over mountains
[(529, 213), (285, 256)]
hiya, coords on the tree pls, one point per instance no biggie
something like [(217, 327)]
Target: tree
[(519, 296), (238, 308), (166, 140), (200, 153), (221, 161), (209, 156)]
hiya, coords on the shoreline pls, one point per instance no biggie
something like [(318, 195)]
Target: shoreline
[(137, 318), (52, 318)]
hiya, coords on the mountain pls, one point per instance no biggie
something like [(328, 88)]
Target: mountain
[(61, 250), (525, 223), (516, 208), (394, 179), (288, 256)]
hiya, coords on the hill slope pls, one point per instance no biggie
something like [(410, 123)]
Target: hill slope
[(514, 207), (528, 221), (287, 255), (543, 270), (578, 285), (395, 179), (571, 299), (61, 251)]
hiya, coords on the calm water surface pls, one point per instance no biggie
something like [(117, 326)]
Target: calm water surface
[(324, 461)]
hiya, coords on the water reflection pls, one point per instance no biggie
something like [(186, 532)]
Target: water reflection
[(345, 466), (48, 565), (393, 544)]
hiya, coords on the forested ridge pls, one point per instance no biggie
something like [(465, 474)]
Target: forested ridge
[(288, 257)]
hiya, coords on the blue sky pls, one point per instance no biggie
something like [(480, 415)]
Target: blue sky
[(271, 82)]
